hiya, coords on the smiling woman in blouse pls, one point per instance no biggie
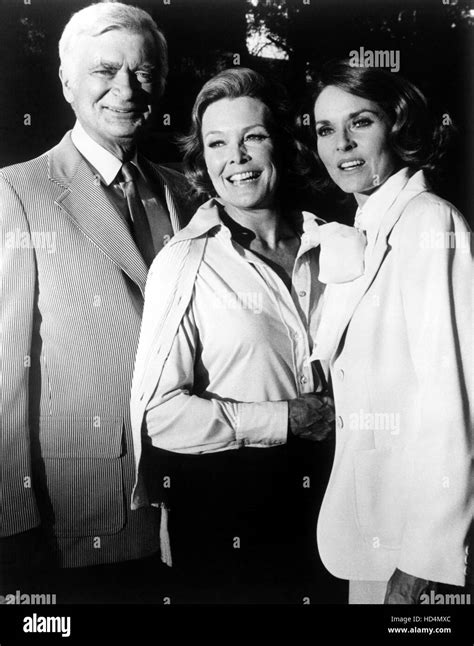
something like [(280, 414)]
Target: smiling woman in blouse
[(223, 379)]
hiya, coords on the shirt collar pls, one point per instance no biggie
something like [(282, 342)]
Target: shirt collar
[(207, 217), (106, 164), (369, 216)]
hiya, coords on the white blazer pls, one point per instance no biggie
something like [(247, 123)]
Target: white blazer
[(399, 346)]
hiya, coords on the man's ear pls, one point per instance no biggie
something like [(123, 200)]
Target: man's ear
[(66, 84)]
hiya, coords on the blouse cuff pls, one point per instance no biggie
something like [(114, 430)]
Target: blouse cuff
[(262, 423)]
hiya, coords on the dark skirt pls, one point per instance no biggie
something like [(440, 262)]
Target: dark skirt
[(242, 522)]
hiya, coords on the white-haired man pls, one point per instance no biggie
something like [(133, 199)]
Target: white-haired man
[(71, 313)]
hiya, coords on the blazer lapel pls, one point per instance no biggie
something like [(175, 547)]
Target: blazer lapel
[(176, 191), (341, 300), (86, 204)]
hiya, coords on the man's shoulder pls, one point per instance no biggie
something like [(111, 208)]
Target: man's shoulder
[(171, 174), (27, 168), (174, 169), (39, 167), (182, 194)]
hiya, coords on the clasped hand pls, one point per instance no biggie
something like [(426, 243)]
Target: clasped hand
[(311, 416)]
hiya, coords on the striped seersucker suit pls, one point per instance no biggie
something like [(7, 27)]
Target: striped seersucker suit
[(71, 307)]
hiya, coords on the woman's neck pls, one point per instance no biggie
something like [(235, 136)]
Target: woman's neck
[(361, 198), (266, 225)]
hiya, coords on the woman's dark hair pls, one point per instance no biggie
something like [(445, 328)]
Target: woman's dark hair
[(296, 161), (416, 139)]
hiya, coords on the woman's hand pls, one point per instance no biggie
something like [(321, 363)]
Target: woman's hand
[(311, 416), (403, 588)]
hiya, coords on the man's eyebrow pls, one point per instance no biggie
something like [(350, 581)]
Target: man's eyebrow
[(149, 67), (107, 64)]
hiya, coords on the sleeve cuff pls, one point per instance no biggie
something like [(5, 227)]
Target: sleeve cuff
[(262, 423)]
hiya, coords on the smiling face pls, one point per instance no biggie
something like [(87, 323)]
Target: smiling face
[(353, 141), (110, 82), (239, 152)]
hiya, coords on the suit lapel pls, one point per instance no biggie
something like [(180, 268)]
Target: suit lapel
[(176, 192), (86, 204), (341, 300)]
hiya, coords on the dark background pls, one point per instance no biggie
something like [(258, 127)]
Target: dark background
[(434, 40)]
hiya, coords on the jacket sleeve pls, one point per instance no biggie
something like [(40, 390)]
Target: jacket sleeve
[(19, 510), (178, 420), (435, 268)]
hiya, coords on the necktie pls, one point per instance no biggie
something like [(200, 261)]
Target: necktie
[(139, 225)]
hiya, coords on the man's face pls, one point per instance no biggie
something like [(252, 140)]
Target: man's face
[(111, 82)]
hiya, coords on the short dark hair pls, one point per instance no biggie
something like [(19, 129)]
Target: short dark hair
[(296, 161), (415, 138)]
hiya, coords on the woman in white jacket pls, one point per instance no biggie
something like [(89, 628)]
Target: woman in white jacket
[(398, 341)]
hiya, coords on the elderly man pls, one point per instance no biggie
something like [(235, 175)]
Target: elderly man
[(71, 310)]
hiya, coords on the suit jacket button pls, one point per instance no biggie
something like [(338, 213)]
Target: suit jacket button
[(339, 422)]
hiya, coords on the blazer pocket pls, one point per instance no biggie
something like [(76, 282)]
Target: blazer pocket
[(380, 496), (83, 473)]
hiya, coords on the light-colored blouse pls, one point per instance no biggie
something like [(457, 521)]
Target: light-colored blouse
[(241, 350)]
